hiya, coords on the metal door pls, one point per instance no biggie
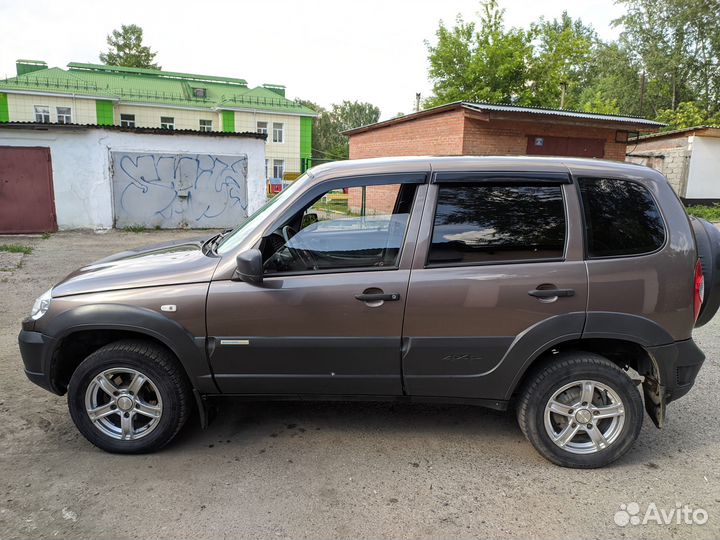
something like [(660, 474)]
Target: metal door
[(27, 203), (541, 145), (179, 190)]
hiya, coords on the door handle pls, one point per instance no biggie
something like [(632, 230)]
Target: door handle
[(552, 293), (378, 297)]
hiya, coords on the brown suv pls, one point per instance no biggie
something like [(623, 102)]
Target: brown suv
[(560, 284)]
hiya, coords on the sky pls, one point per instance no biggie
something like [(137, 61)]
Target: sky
[(324, 51)]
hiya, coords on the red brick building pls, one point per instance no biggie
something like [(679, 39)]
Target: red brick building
[(481, 129)]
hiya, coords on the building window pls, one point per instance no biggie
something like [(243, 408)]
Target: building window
[(42, 114), (278, 168), (127, 120), (64, 115), (278, 135), (262, 127), (205, 125), (167, 122), (267, 167)]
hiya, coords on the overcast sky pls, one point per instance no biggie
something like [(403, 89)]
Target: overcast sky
[(325, 51)]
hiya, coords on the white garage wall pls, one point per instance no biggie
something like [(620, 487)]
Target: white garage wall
[(704, 175), (81, 166)]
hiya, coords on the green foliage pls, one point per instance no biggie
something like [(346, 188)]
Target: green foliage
[(135, 228), (126, 49), (16, 248), (487, 64), (710, 213), (561, 59), (328, 141), (687, 114), (668, 56)]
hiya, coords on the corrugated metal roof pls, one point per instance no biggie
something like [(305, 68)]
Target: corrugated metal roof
[(514, 109), (153, 86), (560, 112), (677, 132), (145, 130)]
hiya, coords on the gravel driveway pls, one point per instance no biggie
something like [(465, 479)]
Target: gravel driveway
[(312, 470)]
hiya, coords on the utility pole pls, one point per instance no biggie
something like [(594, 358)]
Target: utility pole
[(417, 101), (642, 92)]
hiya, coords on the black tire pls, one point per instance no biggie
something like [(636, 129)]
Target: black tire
[(167, 378), (707, 239), (564, 370)]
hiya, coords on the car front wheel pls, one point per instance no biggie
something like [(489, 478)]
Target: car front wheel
[(129, 397)]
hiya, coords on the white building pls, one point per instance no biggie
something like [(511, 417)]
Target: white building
[(58, 176), (689, 158)]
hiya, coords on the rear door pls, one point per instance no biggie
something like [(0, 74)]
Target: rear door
[(498, 275)]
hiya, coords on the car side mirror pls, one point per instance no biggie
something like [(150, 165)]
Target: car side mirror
[(309, 219), (249, 267)]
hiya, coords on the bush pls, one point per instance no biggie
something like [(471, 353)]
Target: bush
[(711, 213)]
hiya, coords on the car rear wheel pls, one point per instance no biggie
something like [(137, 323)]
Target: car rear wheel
[(129, 397), (581, 411)]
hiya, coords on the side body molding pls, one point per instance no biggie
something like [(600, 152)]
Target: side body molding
[(189, 349)]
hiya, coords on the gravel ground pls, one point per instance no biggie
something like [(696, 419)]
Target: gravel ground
[(327, 470)]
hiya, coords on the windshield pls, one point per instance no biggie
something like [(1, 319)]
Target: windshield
[(237, 235)]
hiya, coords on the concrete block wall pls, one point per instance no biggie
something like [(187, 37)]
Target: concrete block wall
[(670, 156)]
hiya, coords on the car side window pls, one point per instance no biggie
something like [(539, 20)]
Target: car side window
[(485, 224), (621, 218), (351, 228)]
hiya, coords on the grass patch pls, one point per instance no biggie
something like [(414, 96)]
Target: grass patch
[(135, 228), (45, 235), (711, 213), (16, 248)]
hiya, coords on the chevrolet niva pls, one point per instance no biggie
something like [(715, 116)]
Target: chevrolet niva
[(567, 288)]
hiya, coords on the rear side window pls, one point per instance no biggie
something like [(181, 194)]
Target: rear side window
[(621, 218), (480, 223)]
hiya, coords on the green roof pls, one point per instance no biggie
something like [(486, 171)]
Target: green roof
[(153, 86)]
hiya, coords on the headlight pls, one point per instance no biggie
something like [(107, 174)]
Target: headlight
[(41, 305)]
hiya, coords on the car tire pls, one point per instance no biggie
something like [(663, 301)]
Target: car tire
[(564, 426), (129, 397), (707, 240)]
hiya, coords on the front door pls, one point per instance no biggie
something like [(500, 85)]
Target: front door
[(327, 318), (495, 278)]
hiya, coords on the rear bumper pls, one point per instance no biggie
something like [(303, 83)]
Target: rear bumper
[(36, 350), (678, 365)]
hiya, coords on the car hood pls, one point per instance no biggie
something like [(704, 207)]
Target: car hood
[(172, 263)]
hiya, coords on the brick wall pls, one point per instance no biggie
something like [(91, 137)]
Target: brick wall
[(438, 134), (456, 132), (670, 156), (378, 199), (509, 138)]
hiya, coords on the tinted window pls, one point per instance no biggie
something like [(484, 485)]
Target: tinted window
[(358, 227), (621, 218), (485, 224)]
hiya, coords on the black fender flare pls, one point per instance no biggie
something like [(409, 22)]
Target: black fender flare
[(190, 350), (529, 345)]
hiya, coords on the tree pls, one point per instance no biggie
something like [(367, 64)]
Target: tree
[(487, 64), (560, 64), (328, 141), (677, 44), (687, 114), (127, 49)]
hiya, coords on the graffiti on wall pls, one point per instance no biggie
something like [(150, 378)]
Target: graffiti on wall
[(179, 190)]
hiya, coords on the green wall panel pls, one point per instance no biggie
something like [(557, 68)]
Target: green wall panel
[(306, 142), (228, 121), (104, 110), (4, 110)]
